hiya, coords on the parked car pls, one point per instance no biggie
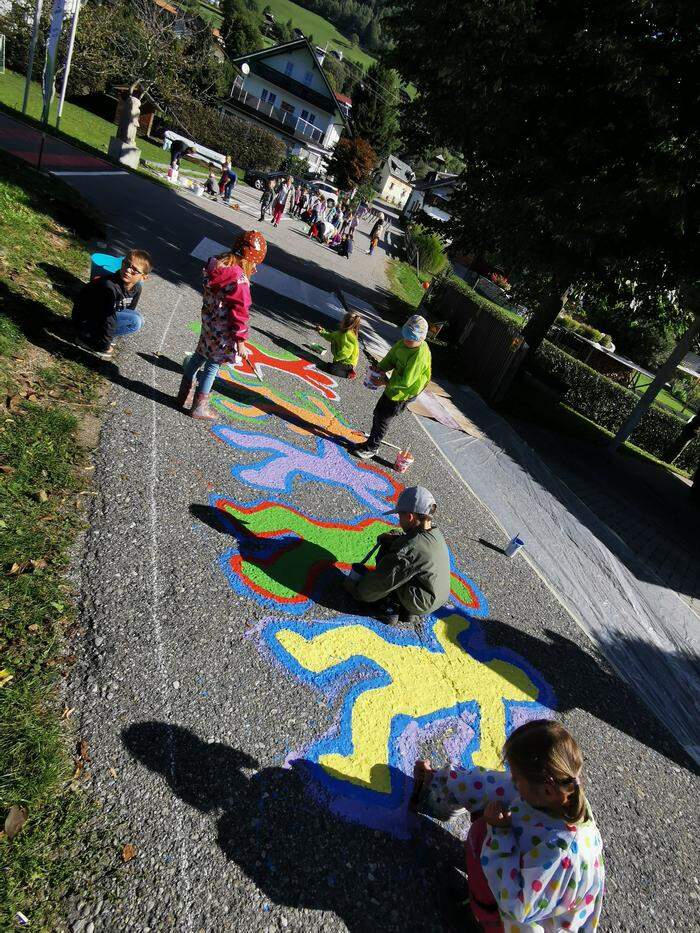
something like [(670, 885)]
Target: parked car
[(330, 192)]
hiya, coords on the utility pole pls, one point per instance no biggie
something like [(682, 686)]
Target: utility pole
[(69, 56), (660, 379), (32, 51)]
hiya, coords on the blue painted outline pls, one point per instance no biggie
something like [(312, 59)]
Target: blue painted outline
[(292, 474), (330, 682)]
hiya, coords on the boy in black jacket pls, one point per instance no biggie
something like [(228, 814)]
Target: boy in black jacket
[(105, 308)]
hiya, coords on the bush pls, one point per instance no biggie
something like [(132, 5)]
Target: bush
[(430, 249), (249, 146), (578, 327), (448, 294), (608, 404)]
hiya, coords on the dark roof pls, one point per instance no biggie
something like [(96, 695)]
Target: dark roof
[(284, 80), (442, 179), (400, 170)]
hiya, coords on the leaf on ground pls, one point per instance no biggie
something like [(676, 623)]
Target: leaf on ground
[(113, 772), (7, 469), (42, 495), (14, 821), (5, 676), (128, 852), (16, 569), (33, 627), (39, 564)]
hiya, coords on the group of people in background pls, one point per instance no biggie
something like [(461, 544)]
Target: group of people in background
[(331, 223)]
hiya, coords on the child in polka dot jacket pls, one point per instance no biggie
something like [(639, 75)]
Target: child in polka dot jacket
[(534, 858)]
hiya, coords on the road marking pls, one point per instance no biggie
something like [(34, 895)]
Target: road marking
[(115, 172), (157, 628)]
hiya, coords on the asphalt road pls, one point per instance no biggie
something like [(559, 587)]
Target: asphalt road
[(204, 736)]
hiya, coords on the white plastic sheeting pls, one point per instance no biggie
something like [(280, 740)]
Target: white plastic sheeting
[(646, 631)]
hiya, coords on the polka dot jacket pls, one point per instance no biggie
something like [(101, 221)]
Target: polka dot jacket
[(225, 311), (546, 874)]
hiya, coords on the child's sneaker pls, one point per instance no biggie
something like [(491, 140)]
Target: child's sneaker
[(103, 355), (364, 452)]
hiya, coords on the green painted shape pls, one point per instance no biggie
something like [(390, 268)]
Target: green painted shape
[(312, 546)]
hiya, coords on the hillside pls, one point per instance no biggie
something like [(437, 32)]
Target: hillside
[(310, 24)]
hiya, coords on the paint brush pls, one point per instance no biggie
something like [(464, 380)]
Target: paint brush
[(255, 372)]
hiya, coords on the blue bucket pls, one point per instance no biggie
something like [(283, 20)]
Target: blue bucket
[(101, 263)]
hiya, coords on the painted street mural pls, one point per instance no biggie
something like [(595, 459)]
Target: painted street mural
[(397, 690), (389, 691), (327, 463)]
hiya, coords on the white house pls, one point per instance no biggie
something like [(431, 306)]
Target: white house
[(394, 180), (432, 195), (287, 91)]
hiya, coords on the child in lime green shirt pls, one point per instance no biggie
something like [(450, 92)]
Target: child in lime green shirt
[(345, 345), (409, 362)]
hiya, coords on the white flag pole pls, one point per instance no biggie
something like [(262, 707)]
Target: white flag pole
[(32, 52), (69, 56)]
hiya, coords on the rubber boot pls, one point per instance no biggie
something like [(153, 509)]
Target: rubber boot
[(185, 393), (200, 407)]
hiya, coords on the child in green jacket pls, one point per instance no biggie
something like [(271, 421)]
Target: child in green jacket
[(345, 345), (409, 362)]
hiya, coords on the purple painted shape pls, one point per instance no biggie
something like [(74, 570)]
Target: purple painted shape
[(328, 463)]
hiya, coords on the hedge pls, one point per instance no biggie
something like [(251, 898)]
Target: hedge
[(447, 290), (608, 404), (249, 145), (603, 401)]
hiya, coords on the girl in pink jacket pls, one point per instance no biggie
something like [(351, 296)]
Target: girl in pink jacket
[(225, 314)]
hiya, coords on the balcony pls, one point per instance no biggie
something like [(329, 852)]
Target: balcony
[(320, 101), (294, 125)]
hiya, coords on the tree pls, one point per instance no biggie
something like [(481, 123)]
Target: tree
[(375, 109), (241, 29), (352, 162), (575, 124)]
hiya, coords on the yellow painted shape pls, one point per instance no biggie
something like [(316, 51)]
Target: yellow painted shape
[(422, 682)]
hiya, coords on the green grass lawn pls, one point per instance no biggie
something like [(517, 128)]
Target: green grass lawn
[(311, 24), (665, 397), (405, 282), (84, 127), (49, 397), (76, 122)]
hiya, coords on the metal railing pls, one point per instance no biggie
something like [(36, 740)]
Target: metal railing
[(295, 124)]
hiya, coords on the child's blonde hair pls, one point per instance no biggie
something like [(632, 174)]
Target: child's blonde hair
[(543, 751), (351, 321)]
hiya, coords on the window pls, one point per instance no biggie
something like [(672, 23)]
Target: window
[(288, 68), (287, 107), (312, 118), (268, 96), (391, 186), (304, 114), (308, 77)]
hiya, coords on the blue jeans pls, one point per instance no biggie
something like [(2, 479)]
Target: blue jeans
[(230, 184), (128, 322), (207, 372)]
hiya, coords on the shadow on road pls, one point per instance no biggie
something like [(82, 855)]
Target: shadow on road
[(302, 567), (296, 852)]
